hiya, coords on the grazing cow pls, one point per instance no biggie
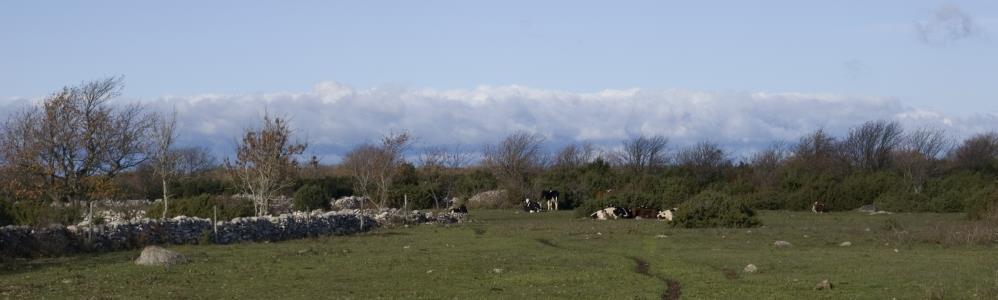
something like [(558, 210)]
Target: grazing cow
[(460, 209), (531, 206), (666, 214), (551, 198), (818, 207), (644, 213)]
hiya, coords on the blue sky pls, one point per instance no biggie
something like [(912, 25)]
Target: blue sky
[(926, 56)]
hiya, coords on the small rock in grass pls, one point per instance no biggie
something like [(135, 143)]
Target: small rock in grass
[(67, 281), (405, 247), (824, 285), (497, 271), (845, 244), (750, 268), (429, 271), (661, 236), (782, 244), (895, 250)]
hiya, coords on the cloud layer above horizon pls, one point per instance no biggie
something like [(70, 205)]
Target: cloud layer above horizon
[(335, 117)]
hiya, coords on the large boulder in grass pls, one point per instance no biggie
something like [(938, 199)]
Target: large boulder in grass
[(488, 199), (157, 256)]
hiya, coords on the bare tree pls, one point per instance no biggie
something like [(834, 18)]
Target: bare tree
[(71, 146), (437, 165), (387, 163), (575, 155), (163, 136), (643, 153), (918, 154), (443, 157), (978, 152), (266, 162), (706, 160), (375, 168), (192, 161), (766, 164), (515, 160), (870, 145), (359, 164), (817, 151)]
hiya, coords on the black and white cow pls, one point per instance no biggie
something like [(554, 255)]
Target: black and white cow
[(818, 207), (531, 206), (550, 197), (612, 212), (460, 209)]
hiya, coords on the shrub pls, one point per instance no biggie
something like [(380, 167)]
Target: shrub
[(714, 209), (982, 202), (310, 197), (203, 207), (6, 210), (40, 213)]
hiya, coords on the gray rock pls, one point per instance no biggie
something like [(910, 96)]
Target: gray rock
[(750, 268), (868, 208), (782, 244), (157, 256), (824, 285), (845, 244)]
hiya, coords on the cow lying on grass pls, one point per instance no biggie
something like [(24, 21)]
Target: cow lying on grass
[(531, 206), (460, 209), (612, 212), (644, 213), (666, 214)]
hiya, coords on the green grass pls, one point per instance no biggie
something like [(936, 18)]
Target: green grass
[(504, 254)]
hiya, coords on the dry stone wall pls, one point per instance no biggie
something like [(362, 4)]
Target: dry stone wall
[(57, 240)]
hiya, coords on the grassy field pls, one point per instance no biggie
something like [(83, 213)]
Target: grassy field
[(506, 254)]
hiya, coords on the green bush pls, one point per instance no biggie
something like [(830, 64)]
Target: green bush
[(203, 207), (310, 197), (6, 216), (40, 213), (982, 202), (714, 209)]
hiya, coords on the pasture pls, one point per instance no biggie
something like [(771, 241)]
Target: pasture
[(514, 255)]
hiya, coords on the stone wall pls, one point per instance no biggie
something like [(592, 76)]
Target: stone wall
[(57, 240)]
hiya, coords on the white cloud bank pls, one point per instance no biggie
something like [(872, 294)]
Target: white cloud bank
[(334, 117)]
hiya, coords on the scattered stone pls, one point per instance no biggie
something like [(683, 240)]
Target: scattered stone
[(158, 256), (303, 251), (661, 236), (750, 268), (67, 281), (429, 271), (805, 236), (895, 250), (782, 244), (824, 285), (405, 247), (497, 271), (845, 244)]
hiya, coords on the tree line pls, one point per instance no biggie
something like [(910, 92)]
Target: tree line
[(75, 147)]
